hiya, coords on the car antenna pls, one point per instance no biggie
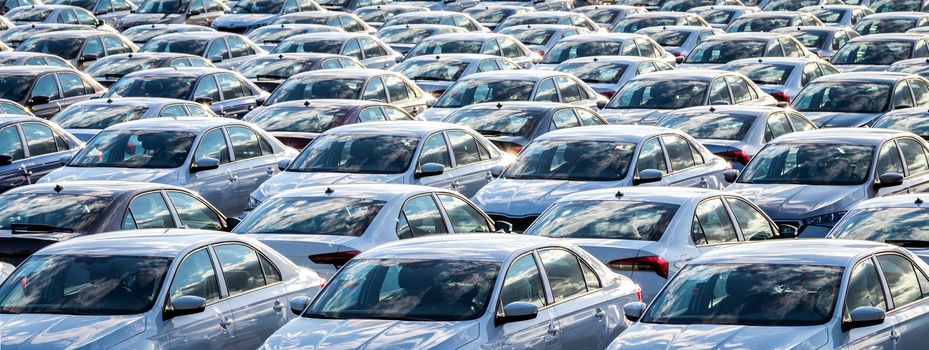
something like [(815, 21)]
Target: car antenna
[(499, 105), (620, 194), (329, 190), (760, 60), (280, 56), (712, 109), (919, 201), (109, 100), (438, 57), (306, 103), (130, 55), (596, 59), (58, 188)]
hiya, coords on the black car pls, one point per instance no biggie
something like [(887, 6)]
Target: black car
[(31, 147), (108, 70), (46, 90)]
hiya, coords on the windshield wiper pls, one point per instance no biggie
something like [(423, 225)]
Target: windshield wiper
[(908, 243), (431, 79), (38, 228), (269, 77), (315, 315), (496, 133)]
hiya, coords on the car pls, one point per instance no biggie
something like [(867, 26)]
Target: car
[(15, 36), (153, 288), (419, 154), (349, 5), (269, 71), (720, 16), (542, 37), (108, 11), (822, 41), (246, 15), (736, 133), (377, 214), (31, 148), (572, 160), (514, 125), (476, 43), (755, 286), (201, 13), (649, 234), (679, 40), (607, 15), (912, 66), (376, 15), (829, 171), (141, 34), (7, 5), (633, 23), (514, 85), (79, 47), (686, 5), (857, 99), (780, 77), (31, 59), (46, 90), (297, 123), (647, 98), (107, 70), (794, 5), (225, 50), (436, 5), (435, 74), (489, 16), (65, 14), (881, 6), (369, 50), (86, 119), (345, 21), (548, 18), (222, 159), (269, 36), (876, 52), (10, 107), (912, 120), (891, 22), (494, 291), (896, 220), (607, 74), (768, 21), (717, 50), (612, 44), (455, 19), (402, 38), (842, 16), (6, 270)]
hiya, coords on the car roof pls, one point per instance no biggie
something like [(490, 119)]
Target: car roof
[(685, 74), (48, 6), (473, 247), (543, 14), (147, 242), (203, 35), (618, 133), (890, 37), (382, 192), (426, 14), (518, 105), (522, 74), (658, 29), (766, 14), (659, 14), (809, 29), (406, 128), (462, 57), (326, 35), (194, 124), (555, 27), (758, 111), (907, 15), (24, 54), (16, 118), (465, 36), (132, 101), (327, 103), (611, 59), (722, 7), (831, 7), (71, 34), (304, 56), (857, 136), (776, 60), (344, 73), (134, 55), (915, 200), (107, 188), (32, 70), (659, 194), (188, 72), (603, 37), (871, 77), (830, 252), (745, 36)]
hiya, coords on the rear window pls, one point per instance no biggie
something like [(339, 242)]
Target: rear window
[(710, 126), (312, 216), (612, 219)]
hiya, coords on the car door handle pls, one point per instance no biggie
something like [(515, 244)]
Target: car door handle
[(894, 335), (599, 313), (456, 184), (552, 329), (703, 182), (270, 170), (225, 323), (233, 178), (278, 306)]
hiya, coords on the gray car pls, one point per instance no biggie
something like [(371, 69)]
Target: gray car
[(914, 120), (455, 19), (7, 5), (881, 6), (607, 74), (465, 292), (876, 52), (32, 147), (828, 171), (402, 38), (541, 37), (794, 5), (369, 50), (636, 22), (782, 78), (848, 286), (823, 41), (584, 158), (269, 36), (439, 5), (548, 18), (857, 99), (269, 71), (435, 74), (31, 59), (612, 44), (86, 119), (247, 15), (679, 40), (109, 11), (897, 220), (717, 50), (489, 16), (143, 33), (64, 14), (686, 5), (46, 90), (10, 107), (916, 66), (891, 22), (607, 15), (196, 12), (720, 16), (376, 15), (768, 21), (309, 225), (225, 50), (15, 36), (423, 153), (477, 43), (79, 47), (222, 159), (345, 21), (177, 289), (109, 69), (841, 16)]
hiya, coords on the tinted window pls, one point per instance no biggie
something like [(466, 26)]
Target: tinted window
[(207, 88), (173, 111), (213, 145), (329, 216), (546, 91), (39, 139), (375, 91), (777, 126), (563, 119), (678, 152), (464, 217), (232, 87), (564, 273), (195, 277), (719, 92), (888, 161), (740, 90), (10, 143), (71, 84), (435, 151), (901, 278), (711, 224), (864, 288), (149, 211), (914, 154), (464, 147), (244, 143), (372, 114), (570, 92), (396, 89), (523, 282), (46, 86), (651, 157), (610, 219), (752, 222), (420, 217), (193, 213), (241, 268)]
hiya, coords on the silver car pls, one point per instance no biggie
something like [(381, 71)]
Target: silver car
[(876, 52), (649, 234), (449, 18), (607, 15), (841, 16), (31, 148), (376, 15), (836, 100), (717, 50), (109, 11), (269, 71), (222, 159), (435, 74), (79, 47), (269, 36), (323, 227), (856, 295), (369, 50), (422, 153), (607, 74), (489, 16), (781, 77), (720, 16), (476, 43), (14, 58), (898, 220), (225, 50), (584, 158), (201, 13), (109, 69), (550, 17), (612, 44), (402, 38), (768, 21), (679, 40), (143, 33), (891, 22), (152, 289), (480, 291), (916, 66), (86, 119), (636, 22), (14, 36), (914, 120), (541, 37), (822, 41)]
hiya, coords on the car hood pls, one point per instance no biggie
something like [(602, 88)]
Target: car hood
[(43, 331), (634, 116), (431, 86), (793, 202), (242, 19), (435, 114), (431, 5), (699, 66), (841, 119), (516, 198), (644, 336), (84, 134), (70, 173), (141, 18), (307, 333), (289, 180), (844, 68)]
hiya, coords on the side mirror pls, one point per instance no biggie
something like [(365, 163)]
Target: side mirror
[(193, 12), (634, 311), (399, 59), (206, 101), (787, 231), (283, 164), (38, 100), (503, 226), (888, 180), (88, 58), (601, 104), (864, 316), (6, 159), (216, 59), (429, 169), (185, 305), (299, 304), (782, 104), (231, 223), (496, 170), (64, 159), (517, 311), (430, 102), (730, 175), (902, 107), (647, 176), (679, 59), (259, 101), (205, 163), (98, 22)]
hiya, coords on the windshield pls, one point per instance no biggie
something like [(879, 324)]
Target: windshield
[(317, 88), (573, 160), (660, 94), (273, 34), (811, 39), (359, 154), (474, 91), (763, 73), (413, 20), (489, 14), (257, 6), (896, 5), (632, 220), (194, 47), (748, 294), (497, 122), (59, 212), (136, 149), (163, 6), (789, 5), (669, 38), (567, 50), (436, 47), (914, 123), (716, 16), (118, 66), (97, 116), (440, 70), (684, 5), (403, 35), (316, 45), (873, 52), (333, 2), (15, 87), (884, 25), (28, 15), (165, 86), (84, 285), (724, 51), (809, 164), (66, 48), (313, 118), (330, 216), (849, 97), (85, 4), (530, 36), (766, 24), (713, 126), (884, 224), (599, 15), (274, 68), (829, 15), (632, 25), (595, 72), (407, 290)]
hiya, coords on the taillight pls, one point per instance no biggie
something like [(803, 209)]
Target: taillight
[(322, 283), (638, 293), (735, 156), (678, 54), (338, 259), (608, 94), (643, 263), (541, 53), (781, 96)]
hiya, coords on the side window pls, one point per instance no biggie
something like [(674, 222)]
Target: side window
[(84, 17), (46, 86), (213, 145), (244, 142), (173, 111), (207, 88), (645, 48), (218, 48), (645, 67), (103, 6), (587, 117), (491, 48), (195, 277), (237, 47), (752, 222), (180, 62), (719, 92), (394, 113), (777, 126), (149, 211), (290, 6), (332, 63), (510, 50), (678, 152), (39, 139), (790, 48), (740, 90), (810, 73), (232, 87), (487, 66), (651, 157), (902, 97), (465, 148), (864, 288), (570, 92), (375, 91), (372, 114), (901, 279), (800, 123), (913, 154), (71, 84), (10, 143), (420, 217), (888, 160), (563, 119), (114, 45), (523, 282), (628, 49), (839, 40), (193, 213), (711, 224), (435, 151), (921, 92), (396, 89), (564, 273), (352, 49), (272, 274), (464, 217), (546, 91), (371, 48), (36, 61), (241, 268), (197, 111), (774, 49), (67, 17)]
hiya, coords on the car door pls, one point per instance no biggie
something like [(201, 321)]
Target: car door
[(435, 150), (237, 100), (687, 168), (865, 289), (215, 185), (712, 227), (210, 329), (522, 282), (148, 210), (253, 163), (45, 150), (889, 161), (16, 173), (255, 294), (909, 289), (472, 162), (581, 318), (45, 88)]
